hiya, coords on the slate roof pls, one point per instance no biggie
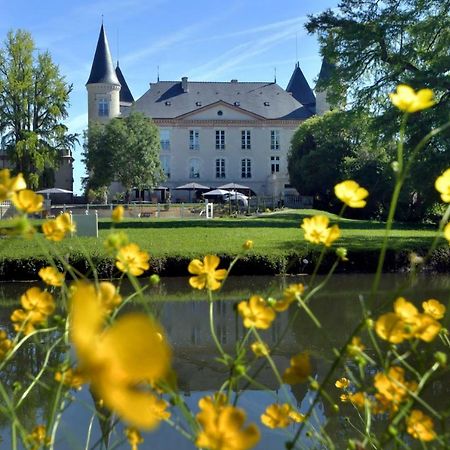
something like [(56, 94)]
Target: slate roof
[(325, 70), (102, 70), (300, 89), (167, 99), (125, 93)]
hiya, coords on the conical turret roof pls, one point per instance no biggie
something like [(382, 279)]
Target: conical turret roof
[(299, 88), (102, 70), (125, 93), (325, 70)]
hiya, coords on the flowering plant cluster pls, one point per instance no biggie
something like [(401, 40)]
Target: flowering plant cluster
[(387, 365)]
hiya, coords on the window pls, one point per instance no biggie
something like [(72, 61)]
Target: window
[(103, 107), (194, 168), (246, 168), (164, 139), (165, 165), (274, 139), (220, 139), (246, 140), (274, 164), (220, 168), (194, 141)]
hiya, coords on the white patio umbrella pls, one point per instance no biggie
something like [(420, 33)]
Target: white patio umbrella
[(49, 191), (234, 186), (215, 193)]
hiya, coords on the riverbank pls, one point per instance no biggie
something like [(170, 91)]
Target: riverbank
[(279, 246)]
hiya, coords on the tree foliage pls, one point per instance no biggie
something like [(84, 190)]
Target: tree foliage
[(33, 103), (339, 145), (125, 150), (374, 46), (377, 45)]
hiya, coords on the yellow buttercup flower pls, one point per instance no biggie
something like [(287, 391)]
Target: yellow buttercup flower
[(37, 306), (256, 313), (406, 323), (434, 308), (358, 399), (410, 101), (447, 232), (5, 344), (108, 295), (299, 370), (57, 229), (117, 214), (28, 201), (351, 193), (280, 416), (51, 276), (260, 349), (392, 389), (222, 426), (442, 185), (131, 259), (134, 437), (206, 275), (317, 230), (122, 360), (290, 295), (342, 383), (70, 377), (420, 426), (39, 437), (9, 185)]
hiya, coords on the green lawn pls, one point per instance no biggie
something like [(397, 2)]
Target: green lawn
[(273, 234)]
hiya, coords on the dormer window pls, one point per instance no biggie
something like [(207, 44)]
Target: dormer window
[(198, 103), (237, 103), (168, 103), (266, 104), (103, 107)]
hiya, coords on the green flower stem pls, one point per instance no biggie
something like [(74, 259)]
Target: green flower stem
[(212, 328), (40, 373), (389, 223), (310, 313), (89, 432), (273, 366), (180, 430)]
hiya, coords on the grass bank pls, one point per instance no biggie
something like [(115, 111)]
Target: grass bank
[(279, 246)]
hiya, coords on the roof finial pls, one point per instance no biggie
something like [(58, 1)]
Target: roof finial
[(157, 74), (296, 46), (274, 74), (102, 19)]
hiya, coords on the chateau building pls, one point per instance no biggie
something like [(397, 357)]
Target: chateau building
[(211, 133)]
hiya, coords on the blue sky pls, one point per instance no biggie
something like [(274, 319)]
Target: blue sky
[(203, 40)]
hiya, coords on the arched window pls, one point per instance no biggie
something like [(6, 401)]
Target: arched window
[(194, 168), (220, 168)]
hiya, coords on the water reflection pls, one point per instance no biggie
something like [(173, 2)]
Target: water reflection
[(186, 322)]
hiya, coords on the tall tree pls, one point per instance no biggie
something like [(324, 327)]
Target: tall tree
[(374, 46), (125, 150), (33, 103), (377, 45)]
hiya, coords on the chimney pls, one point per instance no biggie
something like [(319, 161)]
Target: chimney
[(184, 84), (234, 80)]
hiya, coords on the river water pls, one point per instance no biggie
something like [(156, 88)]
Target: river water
[(185, 317)]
